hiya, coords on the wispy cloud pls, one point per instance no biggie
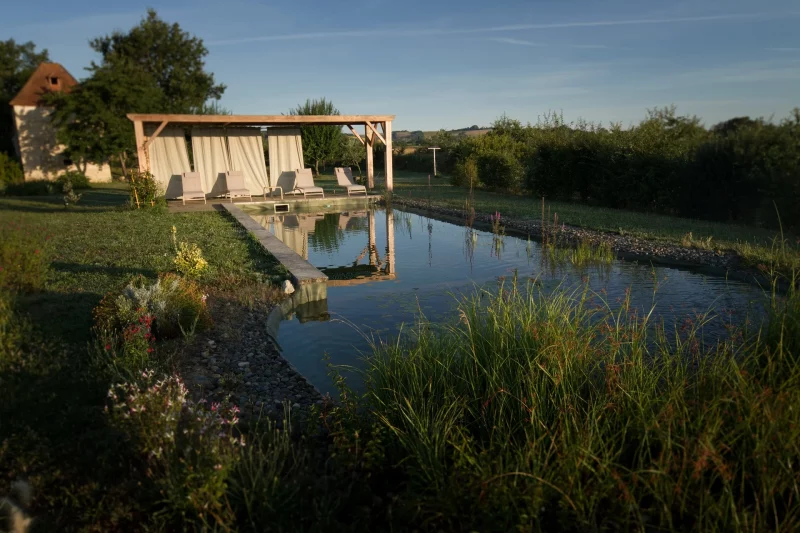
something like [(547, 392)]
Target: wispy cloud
[(400, 32), (519, 42)]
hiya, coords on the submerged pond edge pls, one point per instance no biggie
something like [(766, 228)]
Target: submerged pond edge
[(726, 265)]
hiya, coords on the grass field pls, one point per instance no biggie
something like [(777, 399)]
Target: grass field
[(98, 245), (756, 245)]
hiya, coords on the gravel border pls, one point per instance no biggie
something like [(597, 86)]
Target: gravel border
[(237, 358)]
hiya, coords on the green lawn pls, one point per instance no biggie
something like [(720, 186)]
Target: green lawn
[(98, 245), (753, 244)]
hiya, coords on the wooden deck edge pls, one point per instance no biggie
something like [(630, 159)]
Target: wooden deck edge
[(302, 272)]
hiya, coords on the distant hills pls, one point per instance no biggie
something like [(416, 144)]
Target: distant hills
[(419, 135)]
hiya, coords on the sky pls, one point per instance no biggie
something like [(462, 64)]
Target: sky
[(455, 64)]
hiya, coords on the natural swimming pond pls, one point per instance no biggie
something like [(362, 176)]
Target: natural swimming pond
[(386, 266)]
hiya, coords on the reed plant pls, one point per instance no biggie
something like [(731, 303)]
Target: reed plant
[(556, 412)]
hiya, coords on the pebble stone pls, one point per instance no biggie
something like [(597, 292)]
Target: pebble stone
[(246, 367)]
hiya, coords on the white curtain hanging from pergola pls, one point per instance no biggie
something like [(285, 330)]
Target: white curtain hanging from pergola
[(211, 160), (247, 154), (168, 159), (285, 155)]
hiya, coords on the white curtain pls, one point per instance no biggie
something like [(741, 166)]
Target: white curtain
[(168, 158), (247, 155), (285, 155), (211, 159)]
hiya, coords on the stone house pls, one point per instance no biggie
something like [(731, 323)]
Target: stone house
[(35, 137)]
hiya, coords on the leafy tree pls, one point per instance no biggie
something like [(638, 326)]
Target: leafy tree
[(17, 63), (320, 143), (170, 56), (91, 120), (352, 152), (154, 68)]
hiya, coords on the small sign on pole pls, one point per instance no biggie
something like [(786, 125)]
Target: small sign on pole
[(434, 148)]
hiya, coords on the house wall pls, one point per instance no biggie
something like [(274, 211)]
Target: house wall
[(42, 157)]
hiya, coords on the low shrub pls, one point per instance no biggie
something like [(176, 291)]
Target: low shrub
[(186, 449), (500, 170), (188, 257), (30, 188), (465, 173), (24, 257), (177, 306), (10, 171), (145, 190), (78, 180)]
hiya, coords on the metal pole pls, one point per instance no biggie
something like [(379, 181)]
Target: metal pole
[(434, 148)]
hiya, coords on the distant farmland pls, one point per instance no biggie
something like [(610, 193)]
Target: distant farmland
[(417, 136)]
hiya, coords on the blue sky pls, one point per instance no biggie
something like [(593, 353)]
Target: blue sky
[(453, 64)]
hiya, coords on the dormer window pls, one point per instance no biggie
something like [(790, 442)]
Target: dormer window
[(54, 81)]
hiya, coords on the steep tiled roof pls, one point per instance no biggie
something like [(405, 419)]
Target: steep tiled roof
[(46, 78)]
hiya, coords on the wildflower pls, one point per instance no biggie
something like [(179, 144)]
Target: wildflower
[(150, 350)]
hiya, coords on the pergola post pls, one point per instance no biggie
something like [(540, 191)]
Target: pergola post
[(389, 241), (370, 136), (373, 248), (141, 154), (387, 132)]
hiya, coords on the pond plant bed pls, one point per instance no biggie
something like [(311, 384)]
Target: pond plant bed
[(627, 247)]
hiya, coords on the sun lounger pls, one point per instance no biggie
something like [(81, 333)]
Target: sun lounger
[(192, 187), (234, 182), (304, 183), (345, 179)]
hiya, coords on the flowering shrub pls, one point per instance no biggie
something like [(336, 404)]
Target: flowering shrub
[(23, 257), (187, 448), (189, 260), (174, 305), (144, 189), (188, 257)]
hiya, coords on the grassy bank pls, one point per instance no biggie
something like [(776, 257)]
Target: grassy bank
[(56, 264), (757, 246)]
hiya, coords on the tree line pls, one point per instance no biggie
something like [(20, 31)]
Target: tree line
[(155, 67), (741, 170)]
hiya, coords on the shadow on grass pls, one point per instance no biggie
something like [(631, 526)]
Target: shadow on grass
[(78, 268), (54, 433), (59, 317)]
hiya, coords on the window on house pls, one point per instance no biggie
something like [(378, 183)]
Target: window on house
[(54, 81)]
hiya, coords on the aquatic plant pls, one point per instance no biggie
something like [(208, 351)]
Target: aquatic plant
[(556, 412)]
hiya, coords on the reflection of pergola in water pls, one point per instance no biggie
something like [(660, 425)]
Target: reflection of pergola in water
[(294, 230), (379, 269)]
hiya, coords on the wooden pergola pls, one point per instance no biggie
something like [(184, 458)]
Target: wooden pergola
[(375, 126)]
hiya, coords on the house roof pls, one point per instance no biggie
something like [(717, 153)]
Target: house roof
[(41, 82)]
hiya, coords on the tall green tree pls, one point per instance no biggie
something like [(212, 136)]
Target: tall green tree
[(174, 59), (155, 67), (91, 120), (351, 152), (17, 63), (320, 143)]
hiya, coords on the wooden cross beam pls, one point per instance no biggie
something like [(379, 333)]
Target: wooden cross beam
[(375, 131), (356, 133), (155, 133)]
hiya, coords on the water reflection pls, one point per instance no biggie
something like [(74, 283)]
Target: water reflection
[(373, 291)]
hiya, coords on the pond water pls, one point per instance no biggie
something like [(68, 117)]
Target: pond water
[(386, 266)]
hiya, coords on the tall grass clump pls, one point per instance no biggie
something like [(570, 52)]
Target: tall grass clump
[(553, 412)]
